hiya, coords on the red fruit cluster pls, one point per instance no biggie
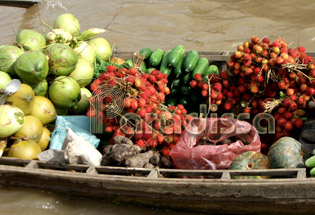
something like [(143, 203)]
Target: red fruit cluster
[(156, 125), (210, 87), (264, 76)]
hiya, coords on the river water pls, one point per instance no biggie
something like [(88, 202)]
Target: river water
[(204, 25)]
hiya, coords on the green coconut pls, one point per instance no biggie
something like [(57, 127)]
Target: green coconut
[(32, 67), (85, 51), (30, 40), (83, 73), (28, 149), (23, 99), (44, 110), (103, 49), (40, 89), (4, 79), (62, 59), (31, 130), (68, 22), (8, 55), (11, 120), (64, 92), (58, 36), (82, 106)]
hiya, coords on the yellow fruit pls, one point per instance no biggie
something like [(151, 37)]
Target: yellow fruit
[(28, 149)]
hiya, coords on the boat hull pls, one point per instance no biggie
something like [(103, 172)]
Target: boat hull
[(154, 188)]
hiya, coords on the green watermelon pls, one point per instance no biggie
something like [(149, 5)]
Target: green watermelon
[(286, 153), (250, 160)]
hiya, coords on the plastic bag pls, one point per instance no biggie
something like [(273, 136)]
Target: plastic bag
[(79, 151), (186, 154), (79, 124)]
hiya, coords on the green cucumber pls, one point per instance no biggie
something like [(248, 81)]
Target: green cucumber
[(175, 83), (143, 67), (146, 52), (184, 101), (212, 70), (167, 71), (175, 56), (310, 162), (201, 67), (174, 91), (185, 89), (172, 102), (156, 57), (163, 65), (191, 61), (312, 172), (177, 71), (128, 63), (186, 78)]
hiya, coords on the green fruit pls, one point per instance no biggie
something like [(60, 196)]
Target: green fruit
[(286, 153), (163, 65), (31, 40), (191, 61), (58, 36), (175, 56), (11, 120), (68, 22), (250, 160), (201, 67), (44, 110), (156, 57), (146, 52), (23, 99), (83, 73), (4, 79), (41, 88), (82, 106), (62, 59), (102, 48), (128, 63), (64, 92), (8, 56), (310, 162), (25, 150), (212, 70), (177, 71), (31, 130), (32, 67), (85, 51)]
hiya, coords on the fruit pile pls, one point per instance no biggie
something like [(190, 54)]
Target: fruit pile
[(180, 67), (55, 70), (154, 125), (265, 77)]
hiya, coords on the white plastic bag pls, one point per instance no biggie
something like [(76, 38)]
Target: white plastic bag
[(80, 151)]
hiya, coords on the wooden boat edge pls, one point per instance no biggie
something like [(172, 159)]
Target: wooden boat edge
[(217, 196)]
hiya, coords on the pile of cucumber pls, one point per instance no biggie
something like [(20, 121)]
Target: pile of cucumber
[(180, 67)]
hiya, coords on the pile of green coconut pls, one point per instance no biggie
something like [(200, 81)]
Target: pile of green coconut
[(54, 69)]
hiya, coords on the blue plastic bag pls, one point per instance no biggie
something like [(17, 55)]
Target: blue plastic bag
[(79, 124)]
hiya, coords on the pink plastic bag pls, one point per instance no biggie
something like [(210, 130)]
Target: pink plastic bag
[(186, 154)]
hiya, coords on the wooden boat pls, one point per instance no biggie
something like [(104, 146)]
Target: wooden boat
[(288, 191), (19, 3)]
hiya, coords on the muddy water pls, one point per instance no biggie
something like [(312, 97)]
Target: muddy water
[(203, 25)]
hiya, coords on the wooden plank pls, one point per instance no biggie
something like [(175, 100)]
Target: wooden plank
[(19, 3), (199, 195)]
